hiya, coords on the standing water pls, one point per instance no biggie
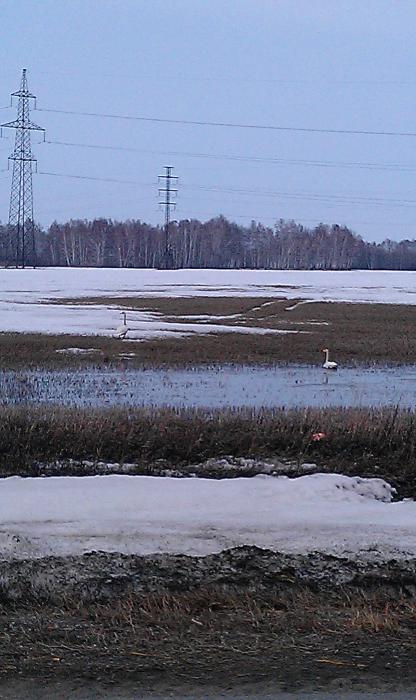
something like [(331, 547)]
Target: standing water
[(221, 387)]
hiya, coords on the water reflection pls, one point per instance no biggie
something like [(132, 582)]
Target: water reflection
[(222, 387)]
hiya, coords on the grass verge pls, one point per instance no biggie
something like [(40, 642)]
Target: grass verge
[(211, 635)]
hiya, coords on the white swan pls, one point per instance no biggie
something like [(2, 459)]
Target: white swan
[(328, 364), (122, 330)]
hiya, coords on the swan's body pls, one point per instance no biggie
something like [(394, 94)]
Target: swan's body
[(328, 364), (122, 330)]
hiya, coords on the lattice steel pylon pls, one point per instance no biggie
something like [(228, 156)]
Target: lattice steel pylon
[(21, 244), (168, 193)]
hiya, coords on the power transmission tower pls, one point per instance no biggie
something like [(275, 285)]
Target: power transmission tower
[(168, 193), (21, 246)]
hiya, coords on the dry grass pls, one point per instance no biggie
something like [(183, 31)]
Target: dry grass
[(32, 350), (379, 442), (356, 333), (208, 634), (300, 610)]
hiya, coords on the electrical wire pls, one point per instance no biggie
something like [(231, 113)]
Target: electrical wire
[(347, 199), (98, 179), (303, 196), (235, 79), (231, 125), (255, 159), (315, 221)]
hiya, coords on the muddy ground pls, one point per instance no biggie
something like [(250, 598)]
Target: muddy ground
[(246, 615)]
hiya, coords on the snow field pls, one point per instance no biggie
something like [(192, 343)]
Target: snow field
[(26, 296), (144, 515)]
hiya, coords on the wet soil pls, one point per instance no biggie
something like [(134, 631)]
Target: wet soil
[(240, 617), (103, 576)]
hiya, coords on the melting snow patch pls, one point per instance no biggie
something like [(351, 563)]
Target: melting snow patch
[(28, 299), (301, 303), (79, 351)]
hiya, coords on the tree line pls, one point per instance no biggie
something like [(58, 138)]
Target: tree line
[(217, 243)]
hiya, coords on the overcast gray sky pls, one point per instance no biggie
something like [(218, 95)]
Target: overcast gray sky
[(347, 65)]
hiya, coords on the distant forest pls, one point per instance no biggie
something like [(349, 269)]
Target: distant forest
[(217, 243)]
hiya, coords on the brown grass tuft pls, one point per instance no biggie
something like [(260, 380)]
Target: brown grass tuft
[(379, 442)]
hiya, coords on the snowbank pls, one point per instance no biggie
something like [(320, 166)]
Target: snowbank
[(143, 515)]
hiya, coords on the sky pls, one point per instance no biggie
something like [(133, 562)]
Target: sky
[(344, 65)]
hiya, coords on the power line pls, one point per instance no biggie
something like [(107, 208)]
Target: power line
[(94, 207), (316, 221), (231, 125), (328, 199), (276, 217), (98, 179), (260, 218), (311, 196), (234, 79), (400, 167), (301, 195)]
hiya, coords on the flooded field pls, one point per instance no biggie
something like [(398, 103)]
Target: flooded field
[(221, 387)]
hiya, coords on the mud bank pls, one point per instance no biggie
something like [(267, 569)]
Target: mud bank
[(226, 621), (101, 576)]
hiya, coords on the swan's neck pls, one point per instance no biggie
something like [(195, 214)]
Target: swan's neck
[(124, 317), (326, 355)]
